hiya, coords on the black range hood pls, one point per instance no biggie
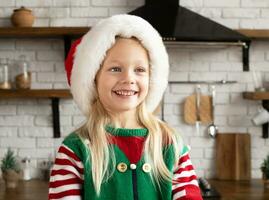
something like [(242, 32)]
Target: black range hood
[(181, 25)]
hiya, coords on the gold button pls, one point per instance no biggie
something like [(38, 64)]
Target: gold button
[(122, 167), (146, 167)]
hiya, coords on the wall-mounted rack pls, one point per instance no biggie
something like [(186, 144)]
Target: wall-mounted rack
[(223, 82), (244, 45)]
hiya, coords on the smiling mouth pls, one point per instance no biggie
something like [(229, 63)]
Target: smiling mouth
[(125, 92)]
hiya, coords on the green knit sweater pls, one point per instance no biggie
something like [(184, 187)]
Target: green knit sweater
[(131, 184)]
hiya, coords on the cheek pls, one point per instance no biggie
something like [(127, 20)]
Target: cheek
[(103, 89), (146, 85), (102, 82)]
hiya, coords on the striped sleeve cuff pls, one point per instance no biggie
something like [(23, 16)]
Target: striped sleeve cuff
[(66, 176), (185, 184)]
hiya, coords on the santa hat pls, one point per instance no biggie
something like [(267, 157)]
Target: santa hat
[(86, 55)]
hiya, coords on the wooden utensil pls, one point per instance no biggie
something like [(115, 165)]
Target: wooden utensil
[(198, 104), (205, 109)]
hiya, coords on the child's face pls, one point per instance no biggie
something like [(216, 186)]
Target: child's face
[(123, 80)]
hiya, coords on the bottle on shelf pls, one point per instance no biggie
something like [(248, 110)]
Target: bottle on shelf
[(4, 75), (23, 79)]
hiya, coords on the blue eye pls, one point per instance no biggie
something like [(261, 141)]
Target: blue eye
[(115, 69)]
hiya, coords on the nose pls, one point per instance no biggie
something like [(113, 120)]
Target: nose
[(128, 77)]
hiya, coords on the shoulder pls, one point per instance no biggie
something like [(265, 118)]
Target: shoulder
[(72, 138), (185, 149), (76, 144), (176, 147), (174, 141)]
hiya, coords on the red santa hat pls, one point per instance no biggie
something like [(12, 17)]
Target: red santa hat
[(87, 54)]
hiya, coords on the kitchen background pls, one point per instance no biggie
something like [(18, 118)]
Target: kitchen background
[(26, 124)]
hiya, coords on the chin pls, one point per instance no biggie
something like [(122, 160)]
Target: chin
[(127, 109)]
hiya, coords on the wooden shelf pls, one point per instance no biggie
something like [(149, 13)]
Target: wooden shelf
[(264, 97), (255, 33), (66, 33), (35, 94), (256, 95), (42, 31), (78, 31)]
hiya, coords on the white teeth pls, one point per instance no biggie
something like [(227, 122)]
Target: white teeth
[(125, 93)]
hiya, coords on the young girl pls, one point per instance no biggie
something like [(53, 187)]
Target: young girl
[(118, 73)]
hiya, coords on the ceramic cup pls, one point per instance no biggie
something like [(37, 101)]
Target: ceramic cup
[(261, 117)]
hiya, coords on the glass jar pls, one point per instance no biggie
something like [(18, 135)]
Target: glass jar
[(23, 79), (4, 75)]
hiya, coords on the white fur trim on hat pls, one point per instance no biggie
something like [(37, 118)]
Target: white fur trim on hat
[(92, 50)]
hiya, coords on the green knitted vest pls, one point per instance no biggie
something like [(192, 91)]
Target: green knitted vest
[(121, 185)]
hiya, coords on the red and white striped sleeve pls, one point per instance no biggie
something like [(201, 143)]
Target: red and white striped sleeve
[(67, 176), (185, 184)]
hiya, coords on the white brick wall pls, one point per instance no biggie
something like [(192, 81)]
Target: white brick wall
[(255, 3), (79, 3), (232, 13), (8, 131), (109, 2), (16, 120), (31, 3), (241, 13), (26, 125), (7, 3), (222, 4), (192, 3), (89, 12), (62, 3), (18, 142)]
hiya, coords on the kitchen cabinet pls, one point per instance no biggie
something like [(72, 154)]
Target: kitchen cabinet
[(264, 97), (54, 95)]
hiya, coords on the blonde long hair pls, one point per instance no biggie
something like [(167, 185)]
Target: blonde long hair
[(101, 154)]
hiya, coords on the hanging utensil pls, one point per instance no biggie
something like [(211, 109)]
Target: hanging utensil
[(212, 129), (198, 104)]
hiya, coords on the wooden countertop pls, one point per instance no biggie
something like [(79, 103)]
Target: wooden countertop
[(26, 190), (241, 190), (230, 190)]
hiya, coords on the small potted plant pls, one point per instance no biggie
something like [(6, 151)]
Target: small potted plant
[(265, 171), (10, 169)]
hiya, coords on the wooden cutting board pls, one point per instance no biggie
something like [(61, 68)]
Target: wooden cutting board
[(233, 156), (190, 114)]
